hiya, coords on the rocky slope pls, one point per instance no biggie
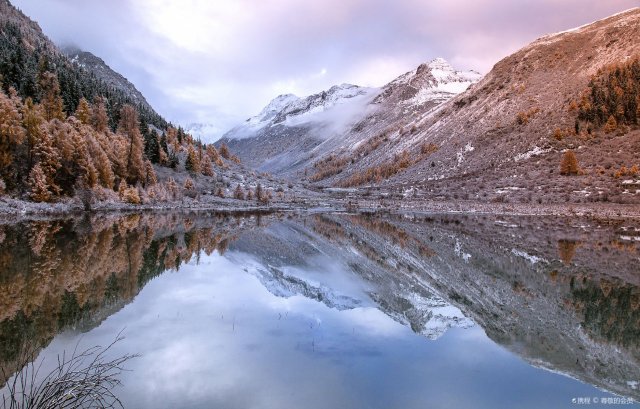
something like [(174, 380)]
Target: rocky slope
[(504, 138), (96, 66), (291, 133)]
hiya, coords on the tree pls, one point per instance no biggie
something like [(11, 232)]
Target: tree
[(569, 164), (100, 117), (49, 160), (206, 166), (39, 188), (192, 163), (249, 195), (259, 193), (224, 151), (238, 193), (32, 121), (129, 126), (51, 99), (11, 134), (83, 168), (150, 174), (611, 124), (220, 192), (212, 152), (101, 163), (83, 112)]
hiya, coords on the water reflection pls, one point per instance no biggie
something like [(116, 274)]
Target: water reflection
[(276, 311)]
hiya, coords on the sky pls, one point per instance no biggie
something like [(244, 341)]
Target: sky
[(218, 62)]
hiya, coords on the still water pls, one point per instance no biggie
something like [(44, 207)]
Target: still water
[(334, 311)]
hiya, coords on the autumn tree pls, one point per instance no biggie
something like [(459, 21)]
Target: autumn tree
[(32, 121), (49, 160), (206, 167), (569, 164), (611, 124), (188, 184), (238, 193), (51, 100), (249, 195), (39, 189), (192, 163), (129, 126), (101, 162), (100, 118), (83, 112), (150, 174), (83, 169), (224, 151), (212, 152), (11, 134), (259, 193)]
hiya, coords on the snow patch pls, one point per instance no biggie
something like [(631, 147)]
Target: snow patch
[(528, 257), (533, 152)]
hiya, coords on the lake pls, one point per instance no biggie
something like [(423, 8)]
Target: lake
[(333, 310)]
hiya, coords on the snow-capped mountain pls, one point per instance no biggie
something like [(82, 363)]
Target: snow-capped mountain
[(283, 258), (290, 110), (433, 81), (290, 134)]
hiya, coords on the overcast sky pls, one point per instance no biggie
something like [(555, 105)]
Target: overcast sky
[(221, 61)]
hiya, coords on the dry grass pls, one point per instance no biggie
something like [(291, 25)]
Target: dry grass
[(83, 380)]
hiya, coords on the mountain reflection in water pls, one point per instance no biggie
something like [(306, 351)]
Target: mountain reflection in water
[(333, 310)]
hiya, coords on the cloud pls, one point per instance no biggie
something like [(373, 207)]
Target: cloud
[(220, 62)]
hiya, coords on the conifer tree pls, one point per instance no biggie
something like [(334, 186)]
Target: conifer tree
[(206, 166), (238, 193), (83, 168), (11, 134), (188, 184), (32, 121), (130, 128), (212, 152), (569, 164), (49, 160), (224, 151), (83, 112), (150, 174), (100, 117), (259, 193), (51, 99), (101, 163), (192, 163), (39, 189)]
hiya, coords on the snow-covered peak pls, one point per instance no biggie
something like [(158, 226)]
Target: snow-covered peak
[(432, 81), (272, 109)]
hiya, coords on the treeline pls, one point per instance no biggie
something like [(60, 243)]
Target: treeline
[(24, 60), (46, 154), (612, 97)]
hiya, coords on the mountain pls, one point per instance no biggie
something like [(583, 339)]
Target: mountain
[(96, 66), (26, 52), (292, 133), (506, 136)]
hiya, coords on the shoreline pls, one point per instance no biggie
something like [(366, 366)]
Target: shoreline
[(15, 210)]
